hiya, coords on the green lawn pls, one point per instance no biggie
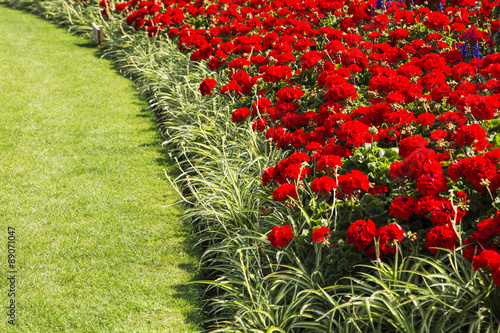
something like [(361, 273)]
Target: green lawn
[(98, 249)]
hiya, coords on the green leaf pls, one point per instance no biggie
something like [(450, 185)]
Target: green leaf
[(496, 13)]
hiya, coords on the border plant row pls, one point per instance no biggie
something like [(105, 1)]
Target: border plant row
[(218, 167)]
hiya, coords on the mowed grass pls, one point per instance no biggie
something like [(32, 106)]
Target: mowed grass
[(98, 246)]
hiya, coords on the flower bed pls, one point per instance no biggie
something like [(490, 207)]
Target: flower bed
[(329, 81)]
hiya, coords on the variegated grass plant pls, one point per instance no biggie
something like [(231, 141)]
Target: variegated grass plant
[(254, 288)]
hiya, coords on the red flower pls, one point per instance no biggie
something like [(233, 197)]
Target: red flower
[(361, 233), (483, 107), (284, 191), (259, 125), (468, 134), (230, 88), (388, 237), (329, 161), (409, 145), (487, 229), (296, 171), (399, 34), (239, 63), (491, 261), (355, 180), (445, 214), (355, 133), (280, 236), (431, 184), (318, 235), (268, 175), (261, 105), (438, 135), (378, 189), (436, 20), (475, 169), (441, 237), (495, 274), (275, 73), (340, 92), (419, 162), (240, 114), (323, 184), (309, 59), (403, 207), (485, 237), (289, 94), (313, 146), (206, 86)]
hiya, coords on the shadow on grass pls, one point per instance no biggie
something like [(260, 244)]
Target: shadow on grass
[(191, 294)]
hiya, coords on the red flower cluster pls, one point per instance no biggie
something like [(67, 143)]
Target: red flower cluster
[(442, 236), (280, 236), (403, 207), (240, 114), (285, 191), (289, 169), (480, 171), (363, 233), (323, 185), (486, 237), (389, 237), (353, 181)]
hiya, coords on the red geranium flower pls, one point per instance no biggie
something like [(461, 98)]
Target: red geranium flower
[(441, 236), (259, 125), (280, 236), (378, 189), (490, 260), (206, 86), (355, 133), (355, 180), (240, 114), (318, 235), (329, 161), (284, 191), (323, 184), (361, 233), (468, 134), (388, 237), (431, 184), (403, 207), (409, 145)]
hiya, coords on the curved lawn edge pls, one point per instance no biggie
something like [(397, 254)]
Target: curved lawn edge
[(82, 184)]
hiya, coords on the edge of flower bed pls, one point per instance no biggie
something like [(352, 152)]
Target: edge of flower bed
[(79, 23)]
